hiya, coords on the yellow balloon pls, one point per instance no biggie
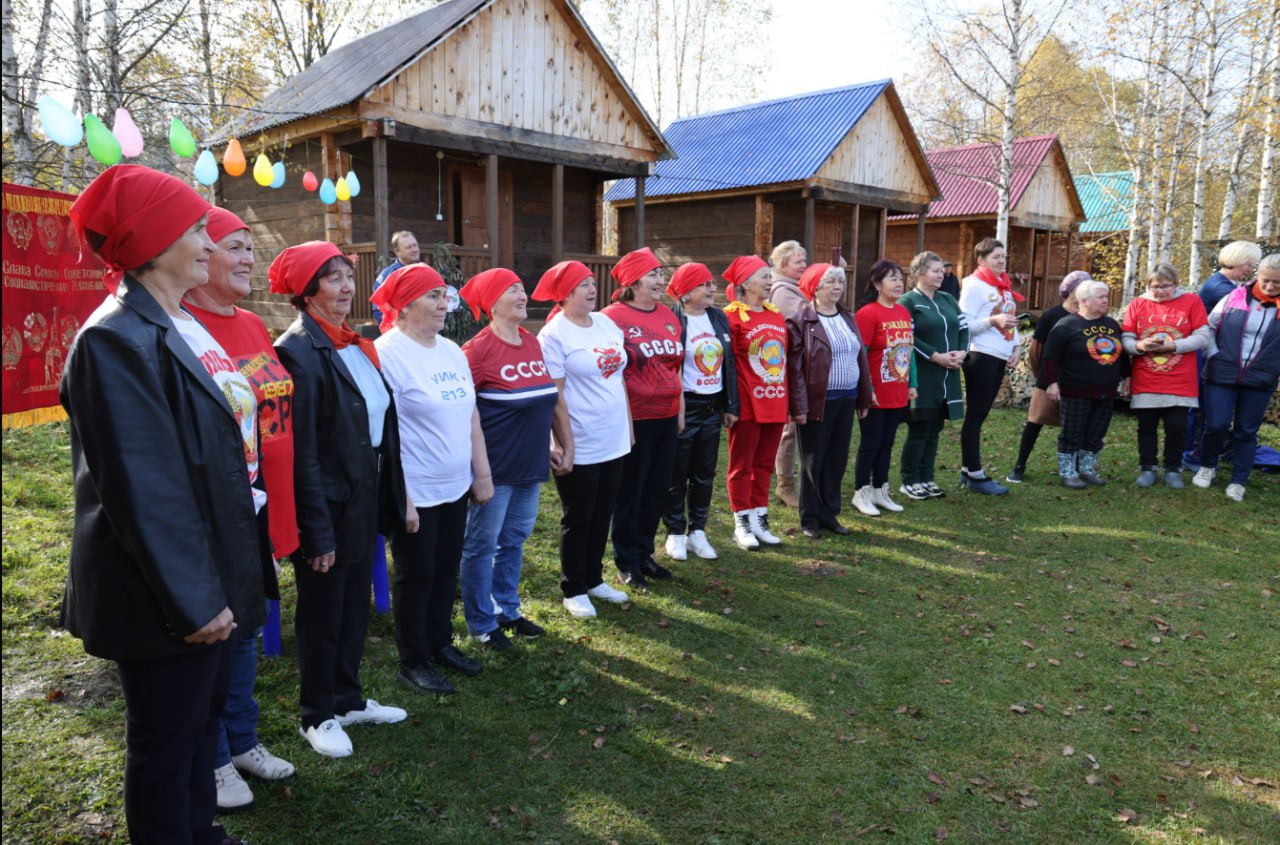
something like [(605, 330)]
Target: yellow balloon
[(343, 189), (262, 172)]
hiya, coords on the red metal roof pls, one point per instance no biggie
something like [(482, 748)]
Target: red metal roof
[(967, 175)]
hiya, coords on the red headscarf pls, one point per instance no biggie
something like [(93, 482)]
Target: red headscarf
[(1001, 282), (557, 283), (632, 267), (812, 278), (402, 287), (139, 211), (742, 268), (223, 223), (294, 268), (688, 277), (484, 289)]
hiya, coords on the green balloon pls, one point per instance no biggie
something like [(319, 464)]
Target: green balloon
[(103, 146), (180, 140)]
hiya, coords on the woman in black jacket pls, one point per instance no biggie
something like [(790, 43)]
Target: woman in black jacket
[(710, 383), (348, 484), (160, 416)]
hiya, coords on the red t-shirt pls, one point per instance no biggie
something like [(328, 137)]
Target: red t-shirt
[(760, 357), (246, 341), (655, 357), (888, 336), (1172, 374)]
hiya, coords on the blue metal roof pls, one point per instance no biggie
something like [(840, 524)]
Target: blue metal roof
[(1107, 199), (768, 143)]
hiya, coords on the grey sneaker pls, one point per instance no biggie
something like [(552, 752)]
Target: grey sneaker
[(1173, 480), (1146, 478)]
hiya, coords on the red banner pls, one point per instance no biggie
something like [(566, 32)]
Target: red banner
[(50, 287)]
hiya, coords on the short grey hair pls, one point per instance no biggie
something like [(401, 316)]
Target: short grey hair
[(1239, 252), (1271, 262), (1090, 288), (396, 236), (833, 274)]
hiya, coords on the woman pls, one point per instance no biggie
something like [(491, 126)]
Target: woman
[(159, 414), (518, 406), (1084, 364), (940, 338), (759, 341), (989, 303), (1160, 328), (1042, 411), (788, 262), (1242, 366), (886, 325), (830, 384), (244, 338), (348, 488), (585, 357), (444, 463), (652, 377), (710, 384)]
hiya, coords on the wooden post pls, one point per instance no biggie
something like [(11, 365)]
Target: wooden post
[(328, 170), (491, 210), (381, 216), (883, 234), (920, 233), (808, 228), (854, 246), (1048, 249), (557, 213), (764, 231), (639, 214)]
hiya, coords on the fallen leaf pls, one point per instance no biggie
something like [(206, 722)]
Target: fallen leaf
[(935, 779), (1028, 644), (932, 797), (1029, 803), (598, 742), (1068, 751), (1017, 708), (1261, 782), (940, 833), (818, 623), (1129, 663), (1126, 815), (997, 797), (54, 695), (1093, 780), (495, 822)]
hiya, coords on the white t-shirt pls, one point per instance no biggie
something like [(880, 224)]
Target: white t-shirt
[(235, 389), (435, 399), (703, 357), (591, 362), (376, 400)]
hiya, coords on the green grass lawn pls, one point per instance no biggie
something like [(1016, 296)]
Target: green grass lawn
[(1053, 667)]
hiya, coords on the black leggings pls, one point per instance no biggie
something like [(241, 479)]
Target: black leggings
[(1175, 436), (426, 580), (983, 375), (1030, 434)]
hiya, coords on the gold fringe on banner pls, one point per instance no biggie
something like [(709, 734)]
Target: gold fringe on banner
[(36, 416)]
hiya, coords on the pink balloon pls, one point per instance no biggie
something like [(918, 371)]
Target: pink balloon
[(126, 132)]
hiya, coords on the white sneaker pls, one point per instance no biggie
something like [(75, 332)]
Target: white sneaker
[(675, 547), (881, 497), (372, 714), (742, 534), (580, 607), (328, 738), (604, 592), (864, 501), (701, 548), (1203, 477), (262, 764), (759, 520), (1235, 492), (233, 793)]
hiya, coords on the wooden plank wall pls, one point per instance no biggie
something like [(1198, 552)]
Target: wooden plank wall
[(712, 232), (1046, 197), (877, 153)]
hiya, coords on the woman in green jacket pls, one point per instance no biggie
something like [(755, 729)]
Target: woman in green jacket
[(941, 338)]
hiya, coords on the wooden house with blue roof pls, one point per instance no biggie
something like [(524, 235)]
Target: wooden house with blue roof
[(491, 126), (824, 168), (1107, 199)]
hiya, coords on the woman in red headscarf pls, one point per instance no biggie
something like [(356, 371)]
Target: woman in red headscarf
[(759, 340), (348, 485), (159, 414), (585, 356), (519, 406), (445, 463), (652, 376), (245, 339)]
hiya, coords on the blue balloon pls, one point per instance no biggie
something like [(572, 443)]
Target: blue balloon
[(328, 193), (353, 183), (277, 170), (206, 171), (60, 125)]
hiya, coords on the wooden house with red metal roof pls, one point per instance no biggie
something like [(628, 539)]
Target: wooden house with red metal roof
[(1044, 212), (825, 168), (488, 125)]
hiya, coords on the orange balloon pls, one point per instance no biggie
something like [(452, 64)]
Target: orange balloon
[(233, 159)]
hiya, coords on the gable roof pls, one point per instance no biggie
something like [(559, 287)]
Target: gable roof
[(1107, 199), (773, 142), (967, 175)]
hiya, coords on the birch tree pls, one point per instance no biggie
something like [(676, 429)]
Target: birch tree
[(1263, 228)]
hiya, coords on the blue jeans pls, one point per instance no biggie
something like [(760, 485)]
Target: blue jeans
[(493, 553), (240, 716), (1223, 403)]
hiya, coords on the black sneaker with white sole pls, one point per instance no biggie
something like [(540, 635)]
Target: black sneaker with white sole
[(524, 628)]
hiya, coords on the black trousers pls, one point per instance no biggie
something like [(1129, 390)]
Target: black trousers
[(587, 496), (646, 476), (876, 431), (823, 446), (426, 581), (1175, 436), (330, 623), (173, 712), (983, 375), (1084, 423), (694, 468)]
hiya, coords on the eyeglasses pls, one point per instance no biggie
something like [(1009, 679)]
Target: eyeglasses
[(1162, 287)]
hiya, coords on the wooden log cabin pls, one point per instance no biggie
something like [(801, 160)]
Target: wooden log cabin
[(1044, 212), (824, 168), (487, 125)]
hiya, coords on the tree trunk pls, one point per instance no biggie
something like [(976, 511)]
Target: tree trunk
[(1266, 178), (1254, 83), (1175, 164), (113, 95), (20, 166), (1202, 144), (1159, 114), (1005, 184)]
